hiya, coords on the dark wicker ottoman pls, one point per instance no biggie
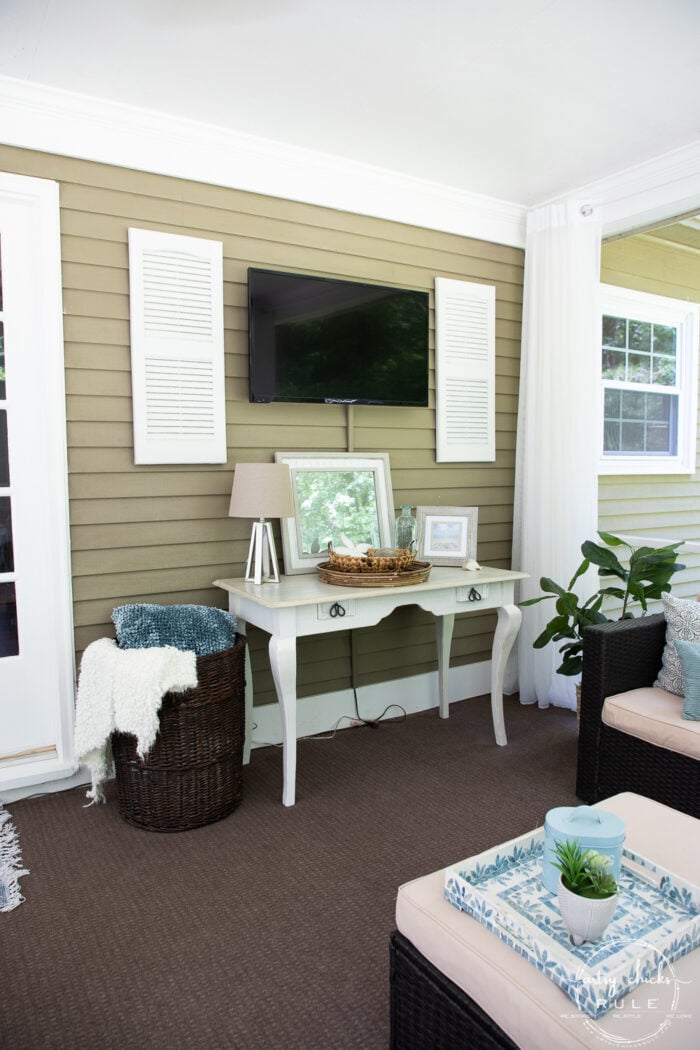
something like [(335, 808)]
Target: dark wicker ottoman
[(429, 1012), (192, 774)]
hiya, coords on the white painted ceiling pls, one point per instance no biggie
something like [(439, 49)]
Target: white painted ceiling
[(521, 100)]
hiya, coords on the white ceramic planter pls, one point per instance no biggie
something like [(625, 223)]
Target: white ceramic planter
[(585, 919)]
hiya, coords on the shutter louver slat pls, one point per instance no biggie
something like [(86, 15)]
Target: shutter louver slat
[(465, 371), (177, 294), (176, 288), (179, 399)]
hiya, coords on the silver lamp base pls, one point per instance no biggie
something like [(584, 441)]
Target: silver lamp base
[(262, 566)]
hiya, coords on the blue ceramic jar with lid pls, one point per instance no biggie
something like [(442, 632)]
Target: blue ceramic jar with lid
[(594, 828)]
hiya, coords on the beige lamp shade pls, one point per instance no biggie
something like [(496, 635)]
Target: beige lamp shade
[(262, 490)]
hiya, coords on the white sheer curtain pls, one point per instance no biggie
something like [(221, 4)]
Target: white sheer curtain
[(556, 484)]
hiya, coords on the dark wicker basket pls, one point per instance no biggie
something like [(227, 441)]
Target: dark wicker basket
[(192, 774), (430, 1012)]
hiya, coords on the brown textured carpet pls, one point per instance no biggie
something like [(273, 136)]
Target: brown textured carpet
[(270, 928)]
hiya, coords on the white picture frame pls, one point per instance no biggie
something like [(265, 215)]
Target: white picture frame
[(447, 535), (357, 502)]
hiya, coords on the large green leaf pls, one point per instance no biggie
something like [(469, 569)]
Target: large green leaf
[(583, 568), (604, 559), (612, 541)]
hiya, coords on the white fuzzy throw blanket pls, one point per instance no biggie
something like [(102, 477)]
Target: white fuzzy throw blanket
[(122, 690)]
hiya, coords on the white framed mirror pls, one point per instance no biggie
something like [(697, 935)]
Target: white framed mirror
[(338, 497)]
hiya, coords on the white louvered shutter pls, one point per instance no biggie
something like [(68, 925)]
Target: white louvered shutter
[(465, 371), (177, 348)]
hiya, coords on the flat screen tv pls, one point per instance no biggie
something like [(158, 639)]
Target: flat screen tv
[(318, 339)]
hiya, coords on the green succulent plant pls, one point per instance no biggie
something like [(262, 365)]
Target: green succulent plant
[(584, 871), (645, 577)]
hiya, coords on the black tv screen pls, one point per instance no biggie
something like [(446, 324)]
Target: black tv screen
[(320, 339)]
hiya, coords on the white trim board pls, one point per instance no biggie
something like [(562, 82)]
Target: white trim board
[(639, 196), (319, 714), (31, 209), (33, 116)]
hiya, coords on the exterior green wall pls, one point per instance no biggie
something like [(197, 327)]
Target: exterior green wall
[(666, 262), (161, 533)]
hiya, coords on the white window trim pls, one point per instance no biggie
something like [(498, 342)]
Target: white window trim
[(659, 309)]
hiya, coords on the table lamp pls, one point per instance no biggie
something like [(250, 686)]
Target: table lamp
[(262, 490)]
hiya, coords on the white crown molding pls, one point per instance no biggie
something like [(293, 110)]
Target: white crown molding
[(37, 117), (658, 189), (34, 116)]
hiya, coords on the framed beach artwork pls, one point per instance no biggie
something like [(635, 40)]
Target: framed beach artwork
[(447, 535)]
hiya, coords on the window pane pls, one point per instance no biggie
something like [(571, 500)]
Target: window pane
[(1, 273), (640, 336), (633, 405), (614, 331), (658, 437), (612, 403), (632, 437), (658, 407), (9, 638), (664, 371), (4, 454), (614, 364), (7, 559), (639, 368), (611, 435), (664, 339)]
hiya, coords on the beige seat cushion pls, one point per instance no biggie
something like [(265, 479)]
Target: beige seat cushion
[(654, 715), (530, 1008)]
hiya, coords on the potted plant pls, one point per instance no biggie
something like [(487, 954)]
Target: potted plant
[(587, 890), (645, 576)]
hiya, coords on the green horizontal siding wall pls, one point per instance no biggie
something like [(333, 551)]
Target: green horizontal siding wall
[(161, 533), (667, 507)]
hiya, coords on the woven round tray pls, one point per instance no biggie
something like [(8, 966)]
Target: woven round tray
[(418, 573)]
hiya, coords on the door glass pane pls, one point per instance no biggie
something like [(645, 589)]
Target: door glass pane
[(4, 453), (2, 338), (9, 639), (7, 557), (3, 395)]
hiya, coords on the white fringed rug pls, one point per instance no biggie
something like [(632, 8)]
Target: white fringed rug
[(11, 869)]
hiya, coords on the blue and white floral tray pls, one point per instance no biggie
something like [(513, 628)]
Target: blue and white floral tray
[(657, 920)]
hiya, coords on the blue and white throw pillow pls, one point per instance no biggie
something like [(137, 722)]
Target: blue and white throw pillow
[(689, 653), (682, 624)]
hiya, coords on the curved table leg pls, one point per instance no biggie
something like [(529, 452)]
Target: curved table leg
[(444, 626), (283, 661), (509, 617), (242, 628)]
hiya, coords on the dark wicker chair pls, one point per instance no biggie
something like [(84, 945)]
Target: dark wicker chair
[(618, 656), (430, 1012)]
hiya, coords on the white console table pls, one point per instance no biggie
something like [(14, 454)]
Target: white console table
[(301, 605)]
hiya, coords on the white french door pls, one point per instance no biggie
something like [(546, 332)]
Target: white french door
[(36, 643)]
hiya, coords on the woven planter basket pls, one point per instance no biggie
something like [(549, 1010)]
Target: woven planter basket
[(192, 774)]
